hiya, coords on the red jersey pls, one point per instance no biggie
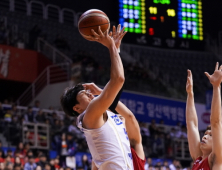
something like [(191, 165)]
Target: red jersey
[(200, 164), (2, 160), (138, 163)]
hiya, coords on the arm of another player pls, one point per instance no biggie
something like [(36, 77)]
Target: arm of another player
[(96, 108), (133, 129), (191, 120), (215, 118)]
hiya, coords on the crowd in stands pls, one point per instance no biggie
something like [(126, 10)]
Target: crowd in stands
[(24, 158), (67, 140)]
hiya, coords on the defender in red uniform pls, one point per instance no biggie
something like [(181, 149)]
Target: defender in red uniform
[(207, 153)]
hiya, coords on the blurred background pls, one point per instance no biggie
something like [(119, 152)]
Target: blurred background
[(42, 52)]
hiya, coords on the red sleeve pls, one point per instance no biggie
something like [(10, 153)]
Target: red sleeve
[(138, 163)]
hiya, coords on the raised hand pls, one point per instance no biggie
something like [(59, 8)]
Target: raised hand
[(103, 38), (189, 84), (118, 35), (216, 78), (94, 89)]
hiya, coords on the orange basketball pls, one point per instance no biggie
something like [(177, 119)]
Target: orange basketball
[(92, 19)]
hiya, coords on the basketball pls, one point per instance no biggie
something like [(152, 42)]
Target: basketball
[(92, 19)]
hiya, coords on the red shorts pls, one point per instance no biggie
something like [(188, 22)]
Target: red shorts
[(137, 162)]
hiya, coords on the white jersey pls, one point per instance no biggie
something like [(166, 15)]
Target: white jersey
[(109, 144)]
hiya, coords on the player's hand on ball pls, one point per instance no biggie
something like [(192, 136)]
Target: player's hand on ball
[(189, 85), (118, 35), (216, 78), (102, 38), (94, 89)]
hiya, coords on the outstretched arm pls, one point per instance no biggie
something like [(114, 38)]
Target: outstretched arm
[(191, 120), (215, 118), (93, 117)]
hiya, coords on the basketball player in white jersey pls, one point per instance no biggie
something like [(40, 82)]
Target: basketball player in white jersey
[(104, 131), (131, 125)]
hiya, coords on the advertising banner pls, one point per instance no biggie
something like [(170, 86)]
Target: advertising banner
[(21, 65), (147, 108)]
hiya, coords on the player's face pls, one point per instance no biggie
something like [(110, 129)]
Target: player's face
[(206, 142), (84, 98)]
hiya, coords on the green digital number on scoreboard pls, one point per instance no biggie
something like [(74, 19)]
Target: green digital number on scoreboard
[(161, 1)]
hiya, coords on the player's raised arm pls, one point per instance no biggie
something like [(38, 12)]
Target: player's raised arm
[(191, 120), (99, 105), (215, 118)]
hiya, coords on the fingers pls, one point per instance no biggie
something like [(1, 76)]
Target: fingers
[(106, 33), (114, 30), (118, 28), (207, 74), (111, 33), (94, 33), (85, 85), (220, 68), (216, 67), (123, 35), (189, 73), (91, 38), (100, 32), (122, 30), (189, 80)]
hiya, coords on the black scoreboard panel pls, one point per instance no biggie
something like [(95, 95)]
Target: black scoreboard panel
[(163, 23)]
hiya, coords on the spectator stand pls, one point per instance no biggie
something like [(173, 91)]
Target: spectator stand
[(33, 131), (52, 74), (37, 135), (75, 149), (51, 52)]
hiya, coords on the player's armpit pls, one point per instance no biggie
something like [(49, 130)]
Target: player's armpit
[(94, 166), (214, 165), (139, 150)]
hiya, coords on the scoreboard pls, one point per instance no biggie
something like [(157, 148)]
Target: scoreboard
[(163, 23)]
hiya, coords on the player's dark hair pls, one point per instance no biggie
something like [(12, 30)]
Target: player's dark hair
[(68, 99), (208, 127)]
